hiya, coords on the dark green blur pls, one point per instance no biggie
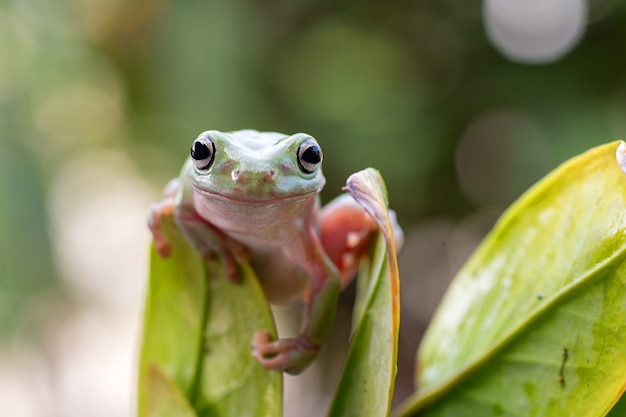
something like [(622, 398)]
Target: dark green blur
[(393, 85)]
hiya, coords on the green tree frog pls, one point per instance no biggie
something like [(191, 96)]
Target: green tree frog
[(249, 196)]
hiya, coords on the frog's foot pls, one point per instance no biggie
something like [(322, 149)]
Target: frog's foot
[(157, 211), (287, 355), (164, 207), (239, 252), (210, 242), (229, 264), (233, 252)]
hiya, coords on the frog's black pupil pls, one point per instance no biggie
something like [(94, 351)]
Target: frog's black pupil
[(312, 155), (200, 151)]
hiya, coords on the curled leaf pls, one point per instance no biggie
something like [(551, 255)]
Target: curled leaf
[(367, 381)]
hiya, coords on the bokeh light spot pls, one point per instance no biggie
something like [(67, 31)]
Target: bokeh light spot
[(535, 31)]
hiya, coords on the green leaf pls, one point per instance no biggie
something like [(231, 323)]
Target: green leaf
[(233, 383), (196, 339), (166, 399), (366, 385), (549, 279), (173, 319)]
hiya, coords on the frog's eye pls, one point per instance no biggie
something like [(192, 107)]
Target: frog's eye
[(203, 153), (309, 156)]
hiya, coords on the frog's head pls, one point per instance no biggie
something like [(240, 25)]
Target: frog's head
[(256, 166)]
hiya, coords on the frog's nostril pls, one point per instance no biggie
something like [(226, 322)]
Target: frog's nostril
[(267, 177), (239, 177)]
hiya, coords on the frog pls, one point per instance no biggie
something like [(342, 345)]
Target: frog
[(253, 197)]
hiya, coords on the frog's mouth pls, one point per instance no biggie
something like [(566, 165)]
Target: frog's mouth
[(269, 197)]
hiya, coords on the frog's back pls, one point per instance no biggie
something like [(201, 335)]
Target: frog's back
[(254, 138)]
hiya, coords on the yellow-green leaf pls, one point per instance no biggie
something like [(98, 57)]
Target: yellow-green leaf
[(232, 382), (164, 397), (196, 339), (619, 409), (535, 322), (366, 384), (173, 319)]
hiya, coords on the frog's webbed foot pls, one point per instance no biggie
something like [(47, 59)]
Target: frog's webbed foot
[(286, 355), (232, 253), (210, 242)]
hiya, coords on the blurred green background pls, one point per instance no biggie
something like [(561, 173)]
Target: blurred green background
[(462, 105)]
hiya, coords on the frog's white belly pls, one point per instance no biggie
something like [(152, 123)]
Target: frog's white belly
[(282, 279), (275, 234)]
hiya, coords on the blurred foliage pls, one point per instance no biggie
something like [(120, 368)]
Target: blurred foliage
[(391, 85)]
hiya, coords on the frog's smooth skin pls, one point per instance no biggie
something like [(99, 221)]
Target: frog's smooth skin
[(253, 196)]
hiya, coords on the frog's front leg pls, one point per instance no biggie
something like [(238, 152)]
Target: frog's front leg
[(206, 239), (293, 355), (210, 242)]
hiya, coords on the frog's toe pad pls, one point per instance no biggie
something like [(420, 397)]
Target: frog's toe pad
[(162, 248), (286, 355)]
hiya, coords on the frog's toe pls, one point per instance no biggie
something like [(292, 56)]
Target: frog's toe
[(286, 355), (275, 363), (235, 250), (157, 211), (162, 248), (263, 347), (230, 268)]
